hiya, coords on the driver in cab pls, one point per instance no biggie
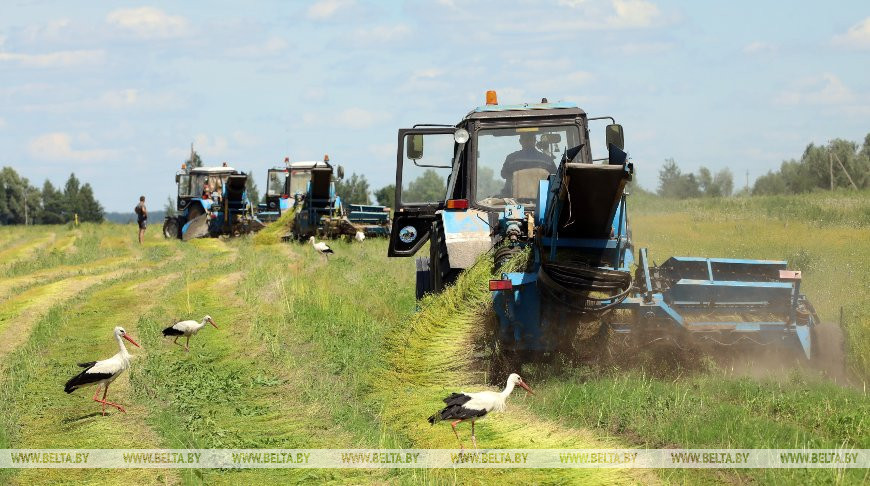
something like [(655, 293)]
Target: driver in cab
[(526, 158)]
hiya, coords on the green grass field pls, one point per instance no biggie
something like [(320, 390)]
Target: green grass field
[(317, 354)]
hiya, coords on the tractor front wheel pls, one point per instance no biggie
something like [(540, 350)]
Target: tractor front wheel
[(171, 228)]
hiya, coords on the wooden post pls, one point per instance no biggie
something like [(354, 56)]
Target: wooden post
[(831, 167), (845, 171)]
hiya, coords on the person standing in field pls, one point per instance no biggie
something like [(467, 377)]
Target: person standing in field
[(142, 218)]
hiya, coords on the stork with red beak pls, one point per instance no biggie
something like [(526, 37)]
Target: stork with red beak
[(187, 329), (104, 372), (474, 406)]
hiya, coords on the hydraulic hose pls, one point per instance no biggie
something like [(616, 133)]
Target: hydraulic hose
[(571, 282)]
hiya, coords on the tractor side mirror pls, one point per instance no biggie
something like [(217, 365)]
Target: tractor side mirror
[(614, 135), (340, 172), (414, 150)]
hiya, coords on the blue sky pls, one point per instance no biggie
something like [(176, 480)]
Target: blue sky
[(117, 92)]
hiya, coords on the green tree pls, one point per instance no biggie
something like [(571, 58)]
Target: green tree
[(670, 178), (193, 160), (52, 205), (353, 190), (71, 198), (724, 182), (252, 190), (428, 187), (170, 207), (21, 201), (386, 196), (89, 208)]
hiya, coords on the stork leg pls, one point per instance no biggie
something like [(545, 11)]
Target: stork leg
[(187, 344), (453, 425), (104, 401), (473, 438), (176, 341)]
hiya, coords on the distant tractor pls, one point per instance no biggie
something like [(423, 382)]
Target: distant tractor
[(278, 198), (321, 212), (212, 201), (522, 180)]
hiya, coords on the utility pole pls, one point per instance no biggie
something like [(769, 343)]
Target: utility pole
[(747, 179), (25, 206), (845, 171), (831, 167)]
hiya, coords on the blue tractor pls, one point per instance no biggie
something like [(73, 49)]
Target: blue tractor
[(211, 201), (320, 211), (523, 179)]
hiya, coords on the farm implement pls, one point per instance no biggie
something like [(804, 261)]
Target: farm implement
[(212, 201), (522, 179), (310, 187)]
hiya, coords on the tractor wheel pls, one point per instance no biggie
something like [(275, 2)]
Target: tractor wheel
[(171, 228), (441, 275), (424, 285)]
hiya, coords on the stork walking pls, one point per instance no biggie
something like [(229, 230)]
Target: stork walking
[(187, 329), (474, 406), (104, 372), (321, 247)]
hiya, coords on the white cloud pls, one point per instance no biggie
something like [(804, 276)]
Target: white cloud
[(269, 47), (57, 146), (148, 22), (826, 89), (634, 13), (380, 34), (359, 118), (122, 99), (87, 57), (53, 30), (759, 47), (856, 37), (324, 9)]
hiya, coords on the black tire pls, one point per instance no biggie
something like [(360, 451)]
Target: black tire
[(171, 228), (424, 282), (441, 274)]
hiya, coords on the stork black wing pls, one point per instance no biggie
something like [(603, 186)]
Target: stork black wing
[(171, 331), (457, 399), (84, 378)]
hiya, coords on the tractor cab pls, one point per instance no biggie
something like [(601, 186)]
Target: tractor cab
[(454, 182), (211, 201)]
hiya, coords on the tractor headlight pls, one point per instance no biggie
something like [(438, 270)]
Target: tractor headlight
[(460, 135)]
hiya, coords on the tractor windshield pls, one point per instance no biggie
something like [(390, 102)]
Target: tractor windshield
[(512, 161), (299, 181), (215, 183), (276, 182)]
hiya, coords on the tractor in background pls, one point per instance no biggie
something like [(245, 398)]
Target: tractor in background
[(524, 179), (277, 198), (321, 212), (224, 210)]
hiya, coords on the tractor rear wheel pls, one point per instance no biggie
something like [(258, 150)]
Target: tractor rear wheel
[(171, 228), (441, 275), (424, 282)]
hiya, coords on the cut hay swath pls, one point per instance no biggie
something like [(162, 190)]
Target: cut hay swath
[(273, 231), (433, 357)]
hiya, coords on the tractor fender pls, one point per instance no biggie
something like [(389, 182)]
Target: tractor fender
[(467, 235)]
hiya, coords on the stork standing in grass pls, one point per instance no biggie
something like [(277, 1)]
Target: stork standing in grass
[(187, 329), (474, 406), (321, 247), (104, 372)]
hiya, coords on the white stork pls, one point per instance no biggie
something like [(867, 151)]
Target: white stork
[(474, 406), (187, 329), (321, 247), (104, 372), (359, 236)]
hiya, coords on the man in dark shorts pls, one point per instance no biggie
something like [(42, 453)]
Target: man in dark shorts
[(527, 158), (142, 218)]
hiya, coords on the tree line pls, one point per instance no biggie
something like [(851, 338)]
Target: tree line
[(839, 163), (22, 203)]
